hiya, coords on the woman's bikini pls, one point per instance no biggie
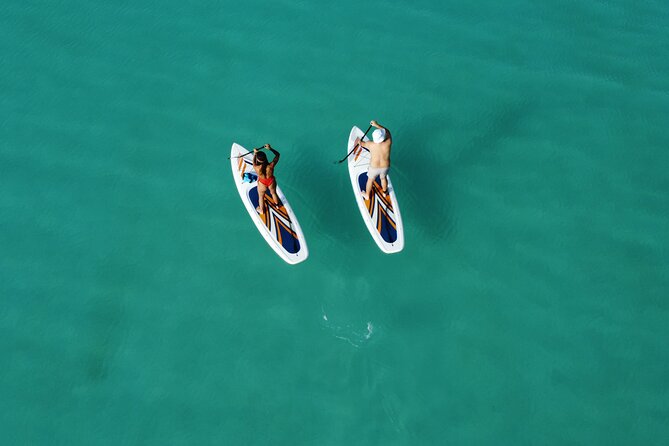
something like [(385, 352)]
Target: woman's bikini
[(266, 181)]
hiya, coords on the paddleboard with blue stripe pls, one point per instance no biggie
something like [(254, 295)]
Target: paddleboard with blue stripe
[(381, 213), (278, 224)]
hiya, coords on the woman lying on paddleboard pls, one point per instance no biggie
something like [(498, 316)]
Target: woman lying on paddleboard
[(266, 180)]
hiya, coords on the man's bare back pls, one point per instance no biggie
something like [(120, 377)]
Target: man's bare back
[(379, 150), (380, 153)]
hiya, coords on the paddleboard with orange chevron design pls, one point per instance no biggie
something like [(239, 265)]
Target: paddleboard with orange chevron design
[(277, 224), (381, 213)]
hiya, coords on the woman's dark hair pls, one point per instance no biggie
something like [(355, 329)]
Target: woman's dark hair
[(262, 158)]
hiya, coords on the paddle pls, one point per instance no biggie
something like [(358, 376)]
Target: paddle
[(353, 149), (247, 153)]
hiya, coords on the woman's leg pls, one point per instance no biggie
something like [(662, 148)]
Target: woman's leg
[(261, 197), (275, 196)]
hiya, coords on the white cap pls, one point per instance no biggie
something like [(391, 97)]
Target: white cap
[(379, 135)]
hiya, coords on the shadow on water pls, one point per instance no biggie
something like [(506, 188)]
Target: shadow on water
[(326, 187), (427, 175), (501, 123), (416, 167), (107, 314)]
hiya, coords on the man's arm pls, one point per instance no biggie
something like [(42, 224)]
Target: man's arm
[(362, 143), (374, 123)]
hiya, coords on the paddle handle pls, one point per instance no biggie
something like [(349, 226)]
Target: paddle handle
[(355, 147)]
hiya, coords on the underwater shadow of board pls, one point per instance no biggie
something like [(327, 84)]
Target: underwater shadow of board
[(496, 126), (416, 174), (432, 201), (326, 188)]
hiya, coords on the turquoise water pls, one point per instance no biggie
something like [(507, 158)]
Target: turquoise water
[(141, 306)]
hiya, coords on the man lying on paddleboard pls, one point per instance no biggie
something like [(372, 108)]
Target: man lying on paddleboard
[(379, 150)]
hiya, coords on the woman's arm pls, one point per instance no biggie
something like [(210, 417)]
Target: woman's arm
[(277, 155)]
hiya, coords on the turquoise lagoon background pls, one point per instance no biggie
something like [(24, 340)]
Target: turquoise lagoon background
[(139, 305)]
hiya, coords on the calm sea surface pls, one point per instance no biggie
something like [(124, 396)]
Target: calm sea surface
[(139, 305)]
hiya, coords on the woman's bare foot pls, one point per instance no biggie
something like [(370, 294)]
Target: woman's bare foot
[(364, 195), (259, 210)]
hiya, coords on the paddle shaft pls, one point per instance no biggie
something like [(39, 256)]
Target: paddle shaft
[(247, 153), (356, 146)]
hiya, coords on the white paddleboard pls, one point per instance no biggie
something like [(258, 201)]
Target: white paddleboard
[(381, 212), (278, 224)]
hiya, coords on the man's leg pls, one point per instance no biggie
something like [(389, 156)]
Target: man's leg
[(368, 187)]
